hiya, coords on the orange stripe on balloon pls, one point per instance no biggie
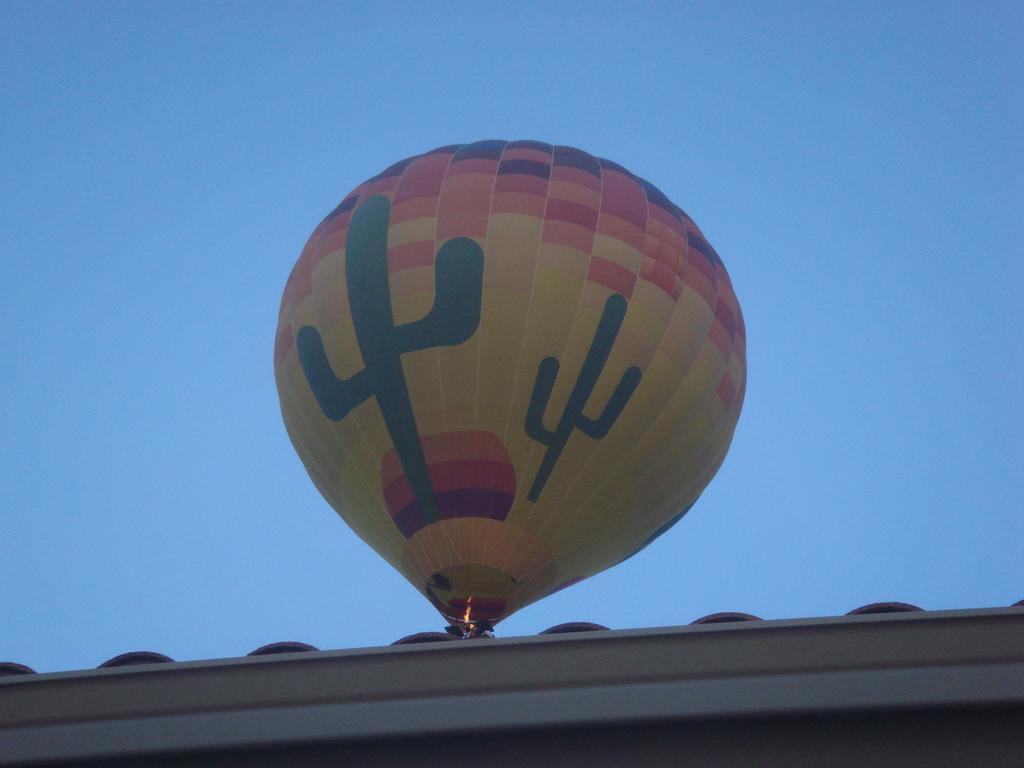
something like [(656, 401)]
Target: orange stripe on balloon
[(382, 186), (455, 475), (464, 206), (449, 446), (667, 251), (299, 285), (563, 173), (422, 179), (413, 208), (658, 274), (725, 316), (332, 240), (611, 275), (718, 334), (622, 230), (567, 190), (574, 213), (523, 153), (480, 165), (526, 203), (411, 281), (416, 254), (520, 182), (472, 473), (284, 342), (622, 197), (667, 219), (726, 391), (698, 261), (570, 235)]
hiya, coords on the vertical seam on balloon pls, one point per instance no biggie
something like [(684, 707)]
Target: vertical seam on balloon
[(454, 553), (526, 322), (434, 560), (476, 400), (420, 542), (575, 316), (412, 541), (487, 234), (529, 302)]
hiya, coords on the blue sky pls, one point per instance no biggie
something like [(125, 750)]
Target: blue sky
[(858, 166)]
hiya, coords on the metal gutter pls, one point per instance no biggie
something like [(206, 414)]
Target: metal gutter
[(932, 659)]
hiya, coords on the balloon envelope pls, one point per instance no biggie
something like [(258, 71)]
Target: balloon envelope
[(508, 366)]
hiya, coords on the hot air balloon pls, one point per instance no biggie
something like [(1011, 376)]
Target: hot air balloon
[(508, 366)]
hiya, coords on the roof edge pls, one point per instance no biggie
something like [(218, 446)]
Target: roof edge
[(741, 669)]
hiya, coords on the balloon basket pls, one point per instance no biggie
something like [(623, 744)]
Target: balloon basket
[(472, 631)]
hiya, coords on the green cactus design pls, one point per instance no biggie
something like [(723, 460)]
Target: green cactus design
[(454, 318), (572, 417)]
